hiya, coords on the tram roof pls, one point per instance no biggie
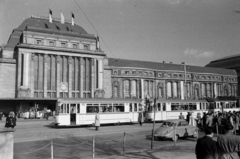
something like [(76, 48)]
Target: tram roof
[(99, 100), (179, 101)]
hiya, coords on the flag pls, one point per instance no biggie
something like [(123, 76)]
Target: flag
[(98, 43), (62, 18), (72, 19), (50, 15)]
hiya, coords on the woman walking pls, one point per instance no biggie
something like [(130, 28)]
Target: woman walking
[(97, 121)]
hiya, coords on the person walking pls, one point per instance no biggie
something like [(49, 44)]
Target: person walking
[(228, 144), (140, 118), (97, 121), (10, 120), (206, 147)]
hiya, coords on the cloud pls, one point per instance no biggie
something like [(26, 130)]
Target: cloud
[(198, 53)]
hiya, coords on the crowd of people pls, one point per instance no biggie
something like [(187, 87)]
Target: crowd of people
[(214, 120), (226, 124)]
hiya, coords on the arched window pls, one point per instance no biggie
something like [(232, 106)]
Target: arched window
[(226, 91), (115, 89), (134, 88), (196, 91), (127, 89), (169, 89), (160, 90)]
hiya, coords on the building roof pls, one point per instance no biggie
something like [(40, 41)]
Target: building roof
[(229, 62), (42, 24), (113, 62)]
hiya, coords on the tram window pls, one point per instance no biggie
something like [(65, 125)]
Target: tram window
[(130, 107), (192, 106), (73, 108), (159, 107), (175, 106), (207, 106), (119, 108), (78, 108), (232, 104), (67, 108), (61, 109), (92, 109), (227, 105), (164, 106), (105, 108), (135, 108)]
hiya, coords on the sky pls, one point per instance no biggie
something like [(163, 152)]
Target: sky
[(191, 31)]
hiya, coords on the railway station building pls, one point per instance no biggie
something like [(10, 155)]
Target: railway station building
[(45, 60)]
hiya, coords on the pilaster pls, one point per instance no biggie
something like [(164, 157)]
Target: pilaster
[(70, 68), (45, 76), (58, 77), (32, 75)]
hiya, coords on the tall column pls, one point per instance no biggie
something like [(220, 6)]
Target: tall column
[(19, 72), (81, 77), (100, 77), (137, 88), (32, 75), (45, 76), (70, 67), (142, 88), (58, 77), (92, 77)]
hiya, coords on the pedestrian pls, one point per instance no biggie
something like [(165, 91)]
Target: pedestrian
[(181, 116), (10, 120), (206, 147), (209, 121), (198, 120), (140, 118), (192, 120), (97, 121), (228, 144), (188, 116)]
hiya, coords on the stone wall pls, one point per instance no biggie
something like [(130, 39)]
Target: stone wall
[(107, 84), (7, 80)]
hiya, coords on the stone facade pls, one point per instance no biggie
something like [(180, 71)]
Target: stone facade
[(45, 61)]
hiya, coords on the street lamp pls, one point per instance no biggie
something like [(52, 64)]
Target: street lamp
[(185, 78), (154, 111)]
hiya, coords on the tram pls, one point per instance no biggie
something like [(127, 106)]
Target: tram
[(72, 112), (171, 109), (223, 106)]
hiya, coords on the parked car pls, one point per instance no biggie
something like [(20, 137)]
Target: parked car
[(183, 129)]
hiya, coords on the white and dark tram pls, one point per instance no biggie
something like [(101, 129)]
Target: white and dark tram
[(171, 109), (72, 112)]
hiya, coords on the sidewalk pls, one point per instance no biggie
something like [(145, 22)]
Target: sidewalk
[(184, 150)]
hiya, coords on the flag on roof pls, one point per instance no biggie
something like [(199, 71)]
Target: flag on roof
[(62, 18), (73, 19), (50, 15)]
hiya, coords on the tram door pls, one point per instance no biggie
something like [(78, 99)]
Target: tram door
[(73, 114), (133, 109), (163, 111)]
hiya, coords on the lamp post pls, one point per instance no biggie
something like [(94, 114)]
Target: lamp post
[(154, 112), (185, 83)]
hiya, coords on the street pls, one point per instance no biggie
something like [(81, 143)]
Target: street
[(32, 139)]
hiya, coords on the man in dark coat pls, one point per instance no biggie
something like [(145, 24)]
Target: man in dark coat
[(228, 144), (206, 147)]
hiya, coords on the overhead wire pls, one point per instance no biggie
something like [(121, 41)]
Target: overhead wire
[(94, 28)]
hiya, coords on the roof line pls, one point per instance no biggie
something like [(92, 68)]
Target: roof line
[(46, 18)]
